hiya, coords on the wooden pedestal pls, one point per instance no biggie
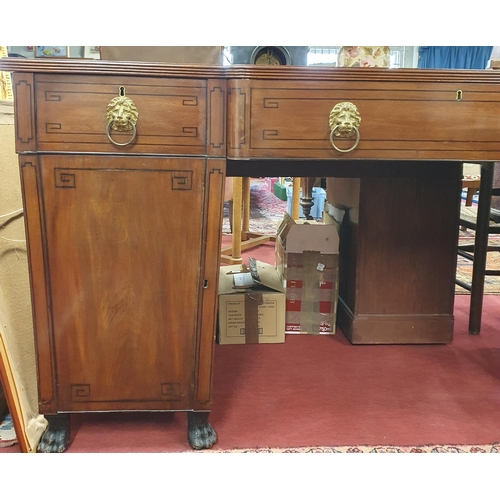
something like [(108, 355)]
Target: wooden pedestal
[(397, 256)]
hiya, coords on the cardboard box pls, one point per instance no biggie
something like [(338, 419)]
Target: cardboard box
[(172, 54), (307, 254), (251, 305)]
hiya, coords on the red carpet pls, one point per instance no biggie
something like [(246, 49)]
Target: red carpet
[(321, 390), (324, 391)]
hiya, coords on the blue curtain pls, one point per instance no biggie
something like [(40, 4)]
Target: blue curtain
[(454, 57)]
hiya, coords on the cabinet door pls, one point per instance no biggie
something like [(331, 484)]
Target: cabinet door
[(123, 247)]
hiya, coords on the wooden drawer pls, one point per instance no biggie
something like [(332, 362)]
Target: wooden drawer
[(172, 114), (399, 119)]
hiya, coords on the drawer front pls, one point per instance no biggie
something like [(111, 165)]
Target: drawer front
[(399, 120), (71, 114)]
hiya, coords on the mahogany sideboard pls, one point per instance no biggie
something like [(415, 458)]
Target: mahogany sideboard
[(123, 167)]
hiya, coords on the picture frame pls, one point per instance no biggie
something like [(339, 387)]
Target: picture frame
[(91, 52), (54, 51)]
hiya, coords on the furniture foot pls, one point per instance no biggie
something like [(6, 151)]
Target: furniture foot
[(201, 435), (55, 439)]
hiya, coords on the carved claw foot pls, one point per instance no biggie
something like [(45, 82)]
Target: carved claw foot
[(201, 435), (55, 439)]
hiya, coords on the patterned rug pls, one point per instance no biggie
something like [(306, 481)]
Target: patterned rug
[(266, 212), (7, 432), (464, 266), (487, 448), (266, 209)]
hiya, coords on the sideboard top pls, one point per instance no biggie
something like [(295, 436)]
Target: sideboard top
[(318, 73)]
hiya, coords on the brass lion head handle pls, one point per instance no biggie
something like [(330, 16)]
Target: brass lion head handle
[(122, 116), (344, 122)]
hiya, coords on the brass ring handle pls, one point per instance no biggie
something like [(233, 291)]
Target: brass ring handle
[(344, 150), (344, 121), (121, 115), (134, 133)]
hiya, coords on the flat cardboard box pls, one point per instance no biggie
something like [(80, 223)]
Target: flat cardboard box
[(254, 314), (165, 54), (307, 263)]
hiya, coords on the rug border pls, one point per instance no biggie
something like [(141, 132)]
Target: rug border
[(429, 448)]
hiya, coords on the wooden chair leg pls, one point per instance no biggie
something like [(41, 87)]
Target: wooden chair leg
[(480, 248), (471, 191), (237, 201), (469, 197)]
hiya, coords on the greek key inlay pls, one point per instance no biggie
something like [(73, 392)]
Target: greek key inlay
[(52, 96), (269, 134), (190, 131), (64, 179), (80, 392), (270, 103), (53, 127), (171, 391), (182, 180)]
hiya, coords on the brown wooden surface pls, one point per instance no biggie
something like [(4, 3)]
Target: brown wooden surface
[(398, 257), (399, 119), (124, 292), (24, 98), (282, 112), (42, 323), (249, 71), (71, 114), (216, 117), (120, 263), (112, 325), (207, 313)]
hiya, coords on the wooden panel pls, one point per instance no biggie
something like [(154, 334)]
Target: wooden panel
[(238, 121), (399, 120), (398, 256), (24, 97), (394, 329), (208, 311), (71, 114), (35, 237), (407, 254), (124, 278), (216, 143)]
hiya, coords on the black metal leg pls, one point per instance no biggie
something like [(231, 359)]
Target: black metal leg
[(480, 248)]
